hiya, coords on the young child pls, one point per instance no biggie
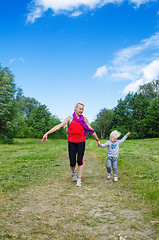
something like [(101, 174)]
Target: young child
[(113, 152)]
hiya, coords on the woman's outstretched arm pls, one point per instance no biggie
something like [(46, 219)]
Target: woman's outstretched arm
[(55, 128)]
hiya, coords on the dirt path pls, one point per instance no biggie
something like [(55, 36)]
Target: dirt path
[(57, 209)]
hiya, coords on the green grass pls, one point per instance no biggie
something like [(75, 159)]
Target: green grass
[(28, 161), (39, 200), (138, 166)]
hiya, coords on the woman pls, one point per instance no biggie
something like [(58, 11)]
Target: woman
[(78, 128)]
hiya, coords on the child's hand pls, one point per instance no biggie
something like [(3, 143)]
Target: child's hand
[(128, 133), (99, 144)]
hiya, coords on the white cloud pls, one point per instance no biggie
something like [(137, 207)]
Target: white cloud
[(128, 53), (123, 75), (34, 14), (138, 64), (151, 71), (71, 7), (145, 61), (16, 59), (133, 86), (76, 14), (101, 72), (140, 2)]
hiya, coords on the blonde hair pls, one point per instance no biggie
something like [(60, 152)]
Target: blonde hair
[(115, 133), (81, 103)]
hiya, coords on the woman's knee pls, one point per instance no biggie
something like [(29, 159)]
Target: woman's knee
[(80, 162), (72, 164)]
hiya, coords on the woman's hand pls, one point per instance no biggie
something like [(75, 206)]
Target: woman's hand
[(44, 137)]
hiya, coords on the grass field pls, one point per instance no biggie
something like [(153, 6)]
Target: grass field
[(30, 167), (138, 164)]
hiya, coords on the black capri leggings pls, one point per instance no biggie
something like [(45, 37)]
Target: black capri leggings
[(76, 149)]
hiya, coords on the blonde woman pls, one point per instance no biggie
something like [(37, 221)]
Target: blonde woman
[(78, 127)]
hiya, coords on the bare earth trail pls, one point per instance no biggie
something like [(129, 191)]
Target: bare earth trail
[(57, 209)]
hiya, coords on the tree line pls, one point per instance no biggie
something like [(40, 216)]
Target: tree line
[(22, 117), (137, 112)]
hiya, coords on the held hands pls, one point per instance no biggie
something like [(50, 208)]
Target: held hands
[(98, 141)]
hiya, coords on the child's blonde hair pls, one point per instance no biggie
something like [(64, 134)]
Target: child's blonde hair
[(115, 133)]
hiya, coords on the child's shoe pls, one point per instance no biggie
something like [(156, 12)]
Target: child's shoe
[(79, 182), (115, 178), (108, 176)]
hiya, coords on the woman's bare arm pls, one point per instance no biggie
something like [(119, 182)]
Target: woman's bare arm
[(55, 128)]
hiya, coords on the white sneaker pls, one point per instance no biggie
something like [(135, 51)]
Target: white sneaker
[(115, 179), (108, 175), (79, 182), (74, 176)]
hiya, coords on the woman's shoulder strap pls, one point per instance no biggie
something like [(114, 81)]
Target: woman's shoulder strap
[(70, 120)]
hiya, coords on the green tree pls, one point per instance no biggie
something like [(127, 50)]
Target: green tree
[(122, 115), (151, 90), (130, 115), (29, 104), (38, 120), (61, 133), (138, 113), (103, 122), (152, 118), (139, 104), (8, 105)]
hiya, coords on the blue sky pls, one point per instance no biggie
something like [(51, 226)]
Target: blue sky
[(94, 51)]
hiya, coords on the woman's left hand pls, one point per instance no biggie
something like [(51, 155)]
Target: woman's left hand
[(44, 137)]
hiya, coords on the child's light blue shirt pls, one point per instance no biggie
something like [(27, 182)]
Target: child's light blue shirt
[(113, 148)]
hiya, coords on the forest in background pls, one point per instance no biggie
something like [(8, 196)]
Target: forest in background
[(137, 112), (25, 117)]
